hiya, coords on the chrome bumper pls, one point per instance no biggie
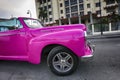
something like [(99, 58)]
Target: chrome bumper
[(92, 47)]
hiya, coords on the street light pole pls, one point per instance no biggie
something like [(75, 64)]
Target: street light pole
[(29, 12), (79, 15), (118, 1), (91, 18), (101, 28), (69, 19)]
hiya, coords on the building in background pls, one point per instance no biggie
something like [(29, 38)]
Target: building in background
[(55, 10), (89, 12)]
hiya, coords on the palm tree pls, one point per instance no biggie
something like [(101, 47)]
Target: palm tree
[(42, 14), (42, 11)]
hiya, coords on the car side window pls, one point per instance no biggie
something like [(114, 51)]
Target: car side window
[(10, 24)]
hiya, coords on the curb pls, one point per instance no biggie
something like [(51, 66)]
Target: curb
[(103, 36)]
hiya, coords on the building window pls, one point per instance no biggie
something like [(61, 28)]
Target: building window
[(66, 3), (74, 8), (46, 20), (110, 2), (80, 1), (98, 12), (67, 10), (49, 6), (98, 4), (88, 5), (68, 15), (74, 14), (50, 19), (81, 13), (61, 11), (81, 7), (73, 2), (61, 5), (89, 12), (49, 0), (50, 13), (44, 1), (45, 8)]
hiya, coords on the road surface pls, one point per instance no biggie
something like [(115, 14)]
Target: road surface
[(104, 66)]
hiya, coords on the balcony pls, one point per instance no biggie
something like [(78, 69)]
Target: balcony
[(109, 2), (118, 1), (113, 6)]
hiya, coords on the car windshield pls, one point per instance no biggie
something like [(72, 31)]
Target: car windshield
[(9, 24), (33, 23)]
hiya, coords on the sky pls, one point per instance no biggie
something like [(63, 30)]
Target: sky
[(17, 8)]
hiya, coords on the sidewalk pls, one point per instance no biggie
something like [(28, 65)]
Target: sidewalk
[(105, 35)]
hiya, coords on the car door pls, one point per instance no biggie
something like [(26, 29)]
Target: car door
[(13, 41)]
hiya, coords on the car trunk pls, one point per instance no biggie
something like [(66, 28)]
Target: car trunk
[(51, 29)]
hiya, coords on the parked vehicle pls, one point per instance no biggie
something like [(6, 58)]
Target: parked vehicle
[(25, 39)]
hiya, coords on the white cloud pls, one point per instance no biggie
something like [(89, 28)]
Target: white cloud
[(17, 8)]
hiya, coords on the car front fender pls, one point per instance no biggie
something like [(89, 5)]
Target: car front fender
[(71, 39)]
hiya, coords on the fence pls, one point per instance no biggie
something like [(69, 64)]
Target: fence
[(106, 27)]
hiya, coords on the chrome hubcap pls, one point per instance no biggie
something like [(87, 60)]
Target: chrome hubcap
[(62, 62)]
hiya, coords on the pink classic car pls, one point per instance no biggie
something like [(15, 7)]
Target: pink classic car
[(25, 39)]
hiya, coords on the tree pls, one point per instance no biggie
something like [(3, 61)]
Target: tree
[(42, 14), (114, 17), (118, 1), (42, 11), (104, 20)]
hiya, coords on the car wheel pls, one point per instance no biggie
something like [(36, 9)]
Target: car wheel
[(62, 61)]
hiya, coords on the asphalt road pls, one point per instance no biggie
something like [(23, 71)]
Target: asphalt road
[(104, 66)]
